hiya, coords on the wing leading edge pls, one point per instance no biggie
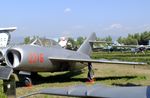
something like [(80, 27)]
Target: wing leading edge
[(94, 61), (97, 91), (10, 29)]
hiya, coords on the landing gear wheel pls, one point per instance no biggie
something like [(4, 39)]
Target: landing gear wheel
[(27, 82)]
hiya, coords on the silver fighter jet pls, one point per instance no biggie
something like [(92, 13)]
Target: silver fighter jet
[(27, 59)]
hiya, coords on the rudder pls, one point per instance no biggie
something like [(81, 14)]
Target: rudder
[(86, 46)]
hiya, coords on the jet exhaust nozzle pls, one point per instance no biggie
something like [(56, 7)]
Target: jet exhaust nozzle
[(13, 58)]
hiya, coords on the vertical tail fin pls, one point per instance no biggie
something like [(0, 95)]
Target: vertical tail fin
[(86, 46)]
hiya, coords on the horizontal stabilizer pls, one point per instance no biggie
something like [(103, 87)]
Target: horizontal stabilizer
[(98, 91), (95, 61), (5, 72)]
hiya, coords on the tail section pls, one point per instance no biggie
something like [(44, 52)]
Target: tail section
[(86, 46)]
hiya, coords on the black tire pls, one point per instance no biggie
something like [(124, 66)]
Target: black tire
[(28, 81)]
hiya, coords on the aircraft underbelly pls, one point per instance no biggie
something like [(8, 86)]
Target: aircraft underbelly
[(36, 68), (78, 66), (53, 68), (47, 66)]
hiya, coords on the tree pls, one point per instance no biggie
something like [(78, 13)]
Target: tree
[(131, 41), (120, 40), (27, 40), (80, 40), (137, 36), (71, 41), (145, 37), (108, 39)]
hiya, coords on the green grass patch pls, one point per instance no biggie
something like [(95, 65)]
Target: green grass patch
[(122, 56)]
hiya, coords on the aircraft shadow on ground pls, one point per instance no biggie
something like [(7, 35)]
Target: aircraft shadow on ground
[(68, 77), (126, 85)]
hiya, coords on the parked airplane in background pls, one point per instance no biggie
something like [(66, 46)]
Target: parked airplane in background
[(140, 48), (28, 59), (133, 48), (5, 36), (5, 40), (121, 47)]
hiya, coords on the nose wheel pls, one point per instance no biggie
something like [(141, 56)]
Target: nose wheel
[(90, 74), (24, 78), (27, 81)]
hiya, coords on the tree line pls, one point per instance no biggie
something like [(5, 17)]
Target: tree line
[(132, 39), (135, 39)]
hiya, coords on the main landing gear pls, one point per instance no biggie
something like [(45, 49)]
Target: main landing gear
[(90, 74)]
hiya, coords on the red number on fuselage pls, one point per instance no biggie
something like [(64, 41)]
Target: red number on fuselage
[(41, 57), (35, 58)]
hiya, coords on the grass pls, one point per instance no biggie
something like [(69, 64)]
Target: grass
[(126, 56), (106, 74)]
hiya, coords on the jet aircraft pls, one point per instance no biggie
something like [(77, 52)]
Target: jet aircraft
[(5, 40), (28, 59), (134, 48), (121, 47)]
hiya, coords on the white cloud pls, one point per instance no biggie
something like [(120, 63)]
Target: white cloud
[(114, 26), (67, 10)]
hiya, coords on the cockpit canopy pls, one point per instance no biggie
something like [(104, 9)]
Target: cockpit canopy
[(43, 42)]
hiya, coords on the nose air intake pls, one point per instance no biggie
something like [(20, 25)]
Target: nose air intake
[(13, 58)]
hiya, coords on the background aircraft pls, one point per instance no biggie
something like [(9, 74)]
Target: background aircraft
[(133, 48), (29, 59), (5, 36), (5, 40), (121, 47)]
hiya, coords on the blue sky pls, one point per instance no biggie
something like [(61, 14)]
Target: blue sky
[(55, 18)]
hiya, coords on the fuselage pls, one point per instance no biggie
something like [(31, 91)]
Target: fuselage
[(35, 58)]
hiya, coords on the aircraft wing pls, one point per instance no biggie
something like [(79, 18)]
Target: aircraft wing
[(94, 61), (97, 91), (10, 29)]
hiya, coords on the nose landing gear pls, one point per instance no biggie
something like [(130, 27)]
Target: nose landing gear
[(27, 81), (25, 78)]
